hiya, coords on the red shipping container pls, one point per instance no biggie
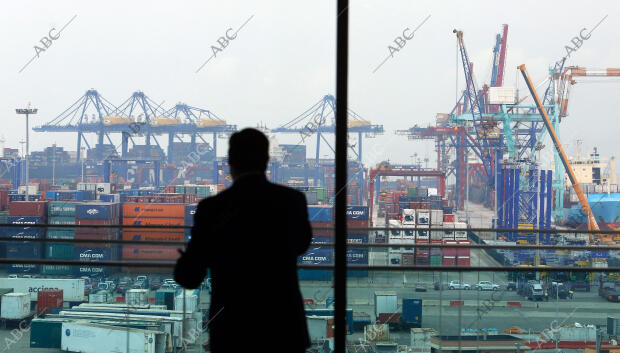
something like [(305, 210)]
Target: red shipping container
[(465, 251), (408, 260), (357, 223), (95, 231), (448, 217), (4, 199), (28, 208), (448, 261), (149, 221), (463, 261), (154, 210), (450, 251), (386, 318), (323, 232), (48, 298)]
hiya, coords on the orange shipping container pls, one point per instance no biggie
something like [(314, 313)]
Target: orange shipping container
[(160, 210), (154, 235), (148, 221), (154, 252)]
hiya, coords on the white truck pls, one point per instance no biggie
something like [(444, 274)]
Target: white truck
[(72, 289)]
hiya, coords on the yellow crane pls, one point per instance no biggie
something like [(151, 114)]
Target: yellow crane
[(583, 200)]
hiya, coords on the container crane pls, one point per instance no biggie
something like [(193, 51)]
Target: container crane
[(592, 224)]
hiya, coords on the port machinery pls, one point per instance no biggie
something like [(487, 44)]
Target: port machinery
[(319, 120), (138, 116)]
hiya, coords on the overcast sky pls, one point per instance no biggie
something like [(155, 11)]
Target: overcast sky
[(283, 61)]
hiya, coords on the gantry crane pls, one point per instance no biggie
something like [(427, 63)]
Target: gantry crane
[(592, 224), (319, 120)]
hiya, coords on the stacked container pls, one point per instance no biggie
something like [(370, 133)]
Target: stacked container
[(96, 213), (357, 217), (319, 216), (59, 212), (149, 214), (25, 213)]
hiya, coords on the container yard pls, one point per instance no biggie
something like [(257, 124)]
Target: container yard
[(442, 155)]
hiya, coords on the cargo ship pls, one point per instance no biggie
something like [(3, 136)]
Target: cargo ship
[(597, 177)]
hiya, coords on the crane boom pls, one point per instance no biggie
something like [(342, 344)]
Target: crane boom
[(592, 225)]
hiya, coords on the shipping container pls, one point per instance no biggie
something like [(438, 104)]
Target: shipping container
[(412, 312), (97, 210), (149, 221), (28, 208), (46, 333), (192, 301), (320, 213), (165, 297), (97, 234), (56, 270), (15, 306), (73, 289), (385, 302), (190, 211), (47, 299), (330, 313), (79, 337), (315, 275), (317, 256), (61, 208), (153, 252), (137, 297), (154, 210), (59, 251), (176, 235)]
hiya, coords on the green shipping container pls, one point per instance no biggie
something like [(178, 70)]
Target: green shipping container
[(60, 233), (62, 220), (56, 270), (59, 251), (412, 192), (202, 191), (45, 333), (61, 208), (4, 216), (179, 189)]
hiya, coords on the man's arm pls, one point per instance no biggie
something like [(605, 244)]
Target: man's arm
[(191, 267), (302, 224)]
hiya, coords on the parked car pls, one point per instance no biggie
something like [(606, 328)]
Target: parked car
[(458, 285), (487, 285), (420, 287), (535, 291), (138, 285), (144, 279)]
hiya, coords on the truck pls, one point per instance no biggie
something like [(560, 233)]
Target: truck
[(387, 311), (85, 337), (72, 289), (609, 289)]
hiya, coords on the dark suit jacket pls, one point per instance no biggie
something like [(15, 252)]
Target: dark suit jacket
[(250, 236)]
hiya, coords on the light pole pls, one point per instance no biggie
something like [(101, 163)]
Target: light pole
[(82, 158), (27, 112)]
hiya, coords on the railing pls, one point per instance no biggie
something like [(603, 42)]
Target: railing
[(507, 308)]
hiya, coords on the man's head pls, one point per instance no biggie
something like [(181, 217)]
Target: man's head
[(248, 151)]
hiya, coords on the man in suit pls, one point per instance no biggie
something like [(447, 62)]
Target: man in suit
[(250, 236)]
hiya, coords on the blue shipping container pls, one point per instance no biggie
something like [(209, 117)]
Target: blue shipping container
[(89, 270), (95, 210), (24, 220), (22, 268), (320, 213), (412, 312), (23, 251), (357, 212), (85, 254), (322, 240), (317, 256), (106, 197), (190, 211)]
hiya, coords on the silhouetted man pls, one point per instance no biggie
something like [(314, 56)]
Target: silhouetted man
[(250, 236)]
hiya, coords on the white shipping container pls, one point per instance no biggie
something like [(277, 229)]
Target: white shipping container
[(436, 218), (385, 302), (92, 338), (376, 258), (423, 217), (318, 327), (137, 297), (87, 186), (103, 188), (72, 289), (433, 192), (97, 298), (394, 257), (502, 95), (15, 306), (32, 189)]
